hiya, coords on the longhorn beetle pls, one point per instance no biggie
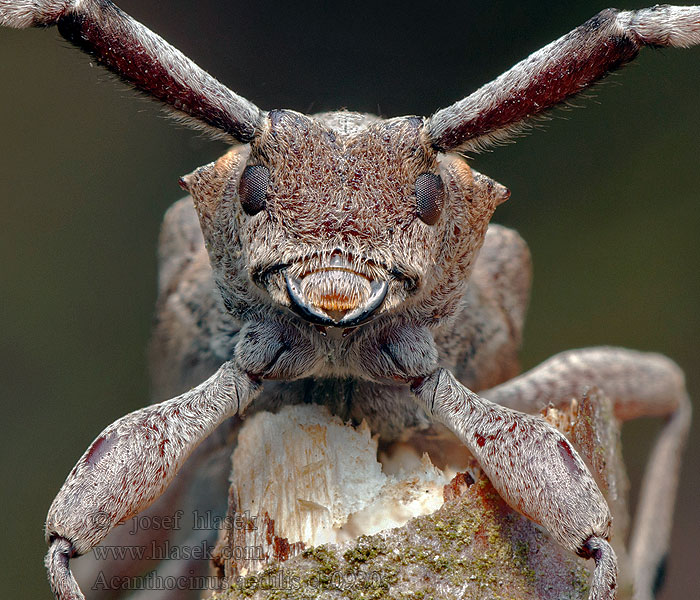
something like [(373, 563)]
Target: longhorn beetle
[(348, 248)]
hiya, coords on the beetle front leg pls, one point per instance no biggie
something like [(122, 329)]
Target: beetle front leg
[(133, 460), (533, 467), (129, 466), (639, 384)]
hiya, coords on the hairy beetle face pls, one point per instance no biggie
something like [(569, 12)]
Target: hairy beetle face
[(341, 217)]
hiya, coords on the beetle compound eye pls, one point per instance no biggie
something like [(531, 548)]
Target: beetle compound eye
[(252, 190), (430, 194)]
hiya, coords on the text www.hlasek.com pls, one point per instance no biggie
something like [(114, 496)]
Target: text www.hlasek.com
[(167, 551)]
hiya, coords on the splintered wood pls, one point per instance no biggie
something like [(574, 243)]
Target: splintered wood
[(309, 493), (302, 478)]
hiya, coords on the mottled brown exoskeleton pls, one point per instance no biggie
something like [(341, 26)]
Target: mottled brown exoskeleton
[(347, 259)]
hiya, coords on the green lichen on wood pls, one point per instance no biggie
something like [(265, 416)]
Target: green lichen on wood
[(366, 548), (475, 547)]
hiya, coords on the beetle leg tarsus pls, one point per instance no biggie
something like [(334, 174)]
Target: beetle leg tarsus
[(604, 583), (63, 584)]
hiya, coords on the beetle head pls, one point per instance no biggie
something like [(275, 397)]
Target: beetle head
[(341, 218)]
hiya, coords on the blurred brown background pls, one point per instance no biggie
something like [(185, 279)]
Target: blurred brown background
[(608, 198)]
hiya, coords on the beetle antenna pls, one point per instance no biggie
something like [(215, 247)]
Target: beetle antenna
[(556, 73), (142, 59)]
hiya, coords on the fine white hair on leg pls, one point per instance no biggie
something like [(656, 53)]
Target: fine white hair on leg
[(534, 469), (640, 384), (663, 25), (31, 13), (129, 466), (604, 583), (559, 71), (532, 465), (651, 536), (63, 584)]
